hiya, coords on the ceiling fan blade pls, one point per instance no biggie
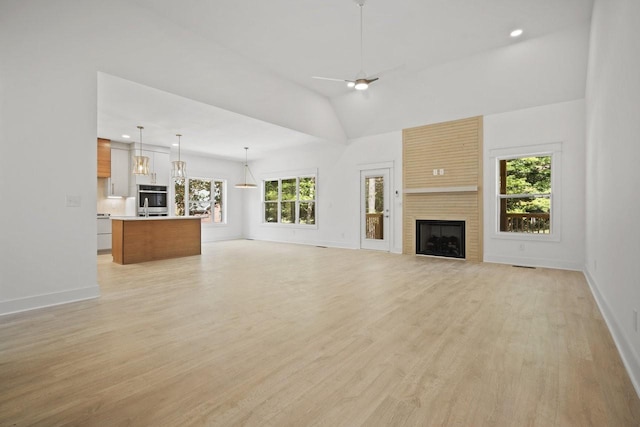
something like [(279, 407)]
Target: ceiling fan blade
[(369, 81), (332, 79), (388, 71)]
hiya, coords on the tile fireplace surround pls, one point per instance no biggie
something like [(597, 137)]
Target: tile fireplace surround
[(442, 175)]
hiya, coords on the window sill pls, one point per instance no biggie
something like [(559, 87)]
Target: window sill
[(297, 226), (532, 237)]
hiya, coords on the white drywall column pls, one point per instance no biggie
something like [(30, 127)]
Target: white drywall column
[(612, 173)]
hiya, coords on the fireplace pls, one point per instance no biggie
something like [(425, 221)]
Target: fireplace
[(440, 238)]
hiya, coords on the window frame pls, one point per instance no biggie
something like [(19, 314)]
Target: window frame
[(283, 177), (553, 150), (223, 200)]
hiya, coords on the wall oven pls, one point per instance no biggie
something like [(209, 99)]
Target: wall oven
[(152, 200)]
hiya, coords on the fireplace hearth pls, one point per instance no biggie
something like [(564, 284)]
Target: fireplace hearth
[(440, 238)]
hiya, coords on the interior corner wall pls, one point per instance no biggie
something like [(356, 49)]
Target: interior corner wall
[(564, 123), (338, 203), (613, 154)]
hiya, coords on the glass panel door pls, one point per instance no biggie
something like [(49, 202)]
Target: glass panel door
[(375, 209)]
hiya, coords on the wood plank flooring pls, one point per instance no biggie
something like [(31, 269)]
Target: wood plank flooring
[(265, 334)]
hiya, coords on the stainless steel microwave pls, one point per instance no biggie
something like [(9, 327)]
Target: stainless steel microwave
[(152, 200)]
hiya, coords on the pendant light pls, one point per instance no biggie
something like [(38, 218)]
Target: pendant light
[(246, 184), (140, 163), (179, 168)]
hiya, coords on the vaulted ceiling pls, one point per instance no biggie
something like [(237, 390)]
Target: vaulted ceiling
[(298, 39)]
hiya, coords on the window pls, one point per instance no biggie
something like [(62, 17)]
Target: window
[(290, 200), (307, 200), (524, 196), (271, 201), (200, 197)]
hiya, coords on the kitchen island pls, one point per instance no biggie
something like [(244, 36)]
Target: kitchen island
[(140, 239)]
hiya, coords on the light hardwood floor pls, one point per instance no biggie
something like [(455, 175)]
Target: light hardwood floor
[(256, 333)]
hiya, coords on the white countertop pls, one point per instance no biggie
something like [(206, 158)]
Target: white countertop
[(152, 218)]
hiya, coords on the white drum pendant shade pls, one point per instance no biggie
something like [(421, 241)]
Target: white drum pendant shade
[(178, 167), (140, 163)]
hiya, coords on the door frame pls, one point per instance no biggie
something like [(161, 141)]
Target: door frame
[(389, 166)]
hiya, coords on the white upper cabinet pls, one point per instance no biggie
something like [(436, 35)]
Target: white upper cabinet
[(159, 168), (118, 183)]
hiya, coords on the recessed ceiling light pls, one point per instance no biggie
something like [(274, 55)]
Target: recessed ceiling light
[(126, 136), (516, 33)]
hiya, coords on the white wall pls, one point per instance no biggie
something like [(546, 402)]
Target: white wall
[(613, 175), (51, 53), (563, 123), (338, 169), (199, 166)]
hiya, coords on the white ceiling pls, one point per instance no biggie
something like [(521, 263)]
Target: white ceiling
[(123, 105), (298, 39)]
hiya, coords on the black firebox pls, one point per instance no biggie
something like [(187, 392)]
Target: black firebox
[(440, 238)]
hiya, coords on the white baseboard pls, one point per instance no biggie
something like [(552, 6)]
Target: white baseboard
[(627, 353), (47, 300), (534, 262), (221, 239), (327, 243)]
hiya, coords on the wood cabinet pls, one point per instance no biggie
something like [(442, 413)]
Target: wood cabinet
[(148, 239), (104, 158), (118, 182)]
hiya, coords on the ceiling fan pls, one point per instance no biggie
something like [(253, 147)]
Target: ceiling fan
[(361, 81)]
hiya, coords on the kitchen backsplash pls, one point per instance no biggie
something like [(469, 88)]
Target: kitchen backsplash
[(117, 206)]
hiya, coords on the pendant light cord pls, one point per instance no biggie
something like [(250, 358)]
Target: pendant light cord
[(246, 166), (140, 127), (246, 163)]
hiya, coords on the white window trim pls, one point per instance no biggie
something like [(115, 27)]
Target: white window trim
[(555, 151), (296, 174), (225, 222)]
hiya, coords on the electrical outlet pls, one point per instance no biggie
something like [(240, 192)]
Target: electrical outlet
[(435, 172), (521, 247), (441, 171)]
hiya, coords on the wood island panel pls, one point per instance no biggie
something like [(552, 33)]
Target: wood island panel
[(149, 240)]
